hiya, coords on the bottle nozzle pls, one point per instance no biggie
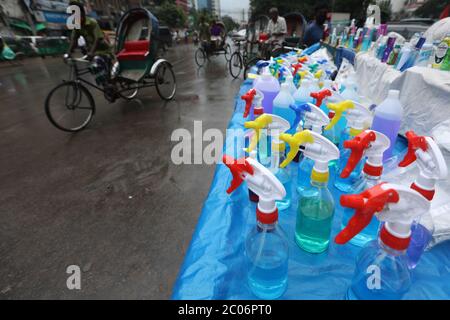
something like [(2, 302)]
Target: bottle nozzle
[(260, 123), (296, 67)]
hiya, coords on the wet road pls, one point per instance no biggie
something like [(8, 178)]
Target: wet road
[(108, 199)]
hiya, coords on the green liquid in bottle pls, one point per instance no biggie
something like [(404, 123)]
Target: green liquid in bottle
[(314, 220)]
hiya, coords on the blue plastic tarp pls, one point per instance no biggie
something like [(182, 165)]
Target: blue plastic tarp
[(214, 265)]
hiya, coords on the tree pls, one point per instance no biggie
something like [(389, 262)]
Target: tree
[(171, 15), (229, 23)]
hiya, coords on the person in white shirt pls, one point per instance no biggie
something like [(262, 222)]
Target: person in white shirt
[(276, 28)]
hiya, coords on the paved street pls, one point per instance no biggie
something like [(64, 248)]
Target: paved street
[(107, 199)]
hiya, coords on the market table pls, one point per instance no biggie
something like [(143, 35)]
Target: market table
[(214, 266)]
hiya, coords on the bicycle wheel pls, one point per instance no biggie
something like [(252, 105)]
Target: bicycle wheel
[(249, 65), (235, 65), (70, 107), (200, 57), (227, 52), (165, 81)]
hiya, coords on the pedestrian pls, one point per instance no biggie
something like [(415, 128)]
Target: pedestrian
[(315, 30), (277, 27)]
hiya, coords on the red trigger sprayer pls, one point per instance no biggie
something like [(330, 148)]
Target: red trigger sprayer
[(320, 96), (253, 97), (371, 145), (432, 167)]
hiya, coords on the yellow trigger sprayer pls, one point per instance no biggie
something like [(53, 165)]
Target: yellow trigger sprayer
[(269, 125)]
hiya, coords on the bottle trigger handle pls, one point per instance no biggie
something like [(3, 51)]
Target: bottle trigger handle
[(320, 96), (248, 98), (238, 169), (338, 108), (260, 123), (299, 113), (357, 146), (366, 204), (296, 67), (415, 143), (294, 142)]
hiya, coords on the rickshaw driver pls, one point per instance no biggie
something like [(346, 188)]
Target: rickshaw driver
[(277, 27), (98, 50)]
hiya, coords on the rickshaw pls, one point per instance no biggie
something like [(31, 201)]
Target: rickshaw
[(296, 25), (70, 106), (209, 48)]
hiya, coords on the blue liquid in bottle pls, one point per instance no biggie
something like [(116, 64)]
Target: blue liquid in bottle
[(286, 113), (267, 261), (420, 238), (381, 274)]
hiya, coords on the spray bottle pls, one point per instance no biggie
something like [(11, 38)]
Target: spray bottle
[(381, 268), (316, 205), (266, 246), (315, 120), (432, 167), (358, 119), (273, 126), (370, 145), (253, 98)]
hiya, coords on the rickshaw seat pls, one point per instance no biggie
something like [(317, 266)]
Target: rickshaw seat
[(134, 50)]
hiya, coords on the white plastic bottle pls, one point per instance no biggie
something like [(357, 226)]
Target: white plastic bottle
[(303, 94), (388, 118)]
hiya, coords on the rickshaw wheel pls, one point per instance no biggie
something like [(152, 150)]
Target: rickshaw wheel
[(228, 52), (200, 57), (165, 81), (128, 91), (70, 107)]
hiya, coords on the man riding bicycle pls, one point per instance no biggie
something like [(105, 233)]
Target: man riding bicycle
[(277, 27), (99, 51)]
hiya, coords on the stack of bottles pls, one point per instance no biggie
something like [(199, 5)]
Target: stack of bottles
[(292, 115), (418, 51)]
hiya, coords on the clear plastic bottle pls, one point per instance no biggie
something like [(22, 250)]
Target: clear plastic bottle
[(303, 94), (305, 167), (352, 184), (314, 218), (381, 274), (267, 253)]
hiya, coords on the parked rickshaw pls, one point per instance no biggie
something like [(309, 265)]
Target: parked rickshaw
[(212, 48), (70, 106), (296, 25)]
